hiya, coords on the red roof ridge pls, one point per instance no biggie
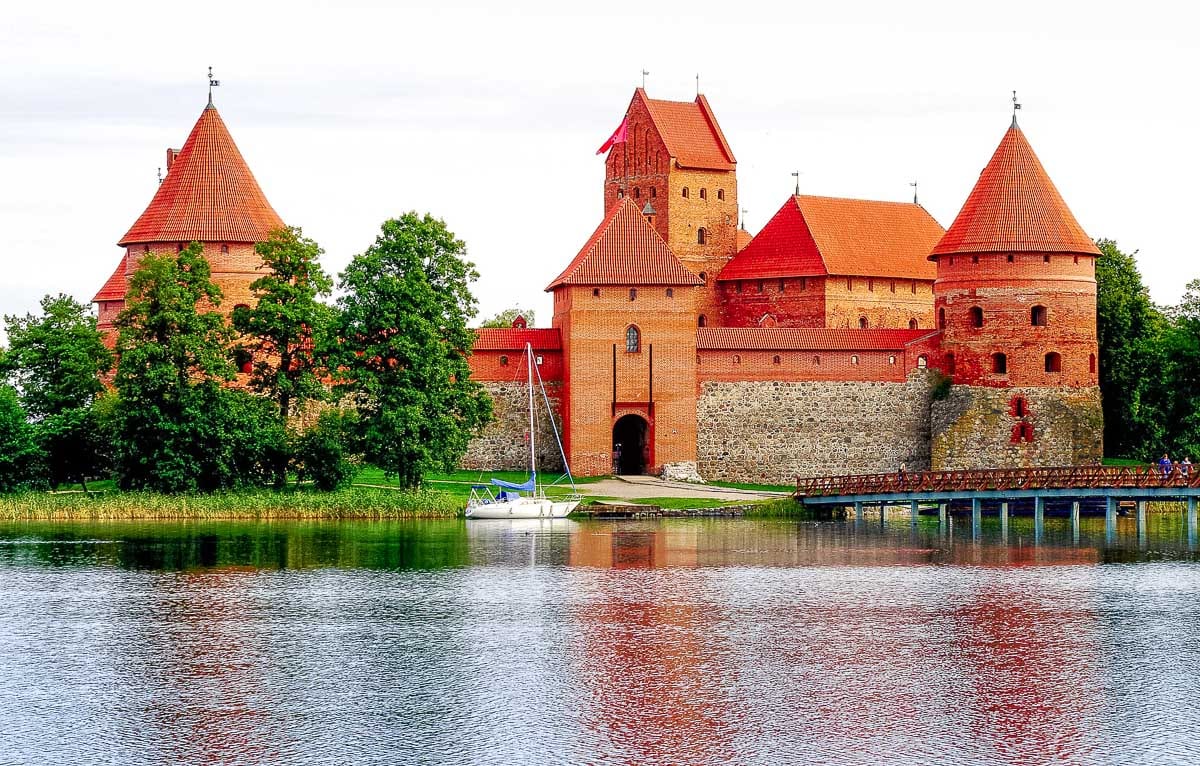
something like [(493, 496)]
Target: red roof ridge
[(1014, 207), (208, 194), (515, 338), (690, 131), (115, 287), (625, 250)]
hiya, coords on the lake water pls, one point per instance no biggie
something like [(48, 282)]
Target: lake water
[(657, 642)]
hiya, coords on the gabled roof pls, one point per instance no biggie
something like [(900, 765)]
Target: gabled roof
[(804, 339), (514, 339), (816, 236), (116, 286), (690, 131), (625, 250), (208, 195), (1015, 207)]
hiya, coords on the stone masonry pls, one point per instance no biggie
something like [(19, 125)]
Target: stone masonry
[(503, 444), (772, 432)]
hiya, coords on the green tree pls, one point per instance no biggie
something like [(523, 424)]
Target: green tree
[(1130, 333), (1177, 392), (57, 360), (505, 318), (174, 355), (403, 344), (20, 457), (278, 332)]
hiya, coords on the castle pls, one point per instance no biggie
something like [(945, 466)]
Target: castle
[(847, 336)]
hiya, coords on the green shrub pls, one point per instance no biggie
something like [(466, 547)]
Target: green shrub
[(322, 453)]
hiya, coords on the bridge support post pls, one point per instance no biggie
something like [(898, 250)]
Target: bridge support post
[(913, 513), (1004, 521), (1191, 521), (1039, 518), (858, 511), (1075, 521), (943, 512), (1141, 523), (1110, 519), (976, 517)]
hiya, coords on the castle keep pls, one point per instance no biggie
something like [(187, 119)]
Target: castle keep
[(847, 336)]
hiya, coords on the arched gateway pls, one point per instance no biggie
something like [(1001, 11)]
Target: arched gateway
[(631, 445)]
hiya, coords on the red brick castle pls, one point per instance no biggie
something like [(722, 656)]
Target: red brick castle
[(847, 336)]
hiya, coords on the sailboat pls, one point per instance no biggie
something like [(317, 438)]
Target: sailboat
[(527, 500)]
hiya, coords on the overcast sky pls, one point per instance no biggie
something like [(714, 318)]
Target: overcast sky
[(488, 115)]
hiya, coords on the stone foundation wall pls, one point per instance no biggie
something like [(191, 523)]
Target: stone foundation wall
[(772, 432), (976, 427), (503, 444)]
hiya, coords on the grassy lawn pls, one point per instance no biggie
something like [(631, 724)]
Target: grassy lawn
[(789, 488), (376, 476)]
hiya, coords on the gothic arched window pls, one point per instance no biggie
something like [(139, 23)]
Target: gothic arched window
[(633, 340)]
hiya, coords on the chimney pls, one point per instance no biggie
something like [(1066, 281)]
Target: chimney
[(171, 153)]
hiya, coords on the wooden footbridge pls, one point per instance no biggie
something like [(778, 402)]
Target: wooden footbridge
[(1069, 490)]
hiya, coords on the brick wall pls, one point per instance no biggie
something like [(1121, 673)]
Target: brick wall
[(790, 365), (590, 324), (977, 427), (772, 432), (791, 302), (884, 302), (508, 366)]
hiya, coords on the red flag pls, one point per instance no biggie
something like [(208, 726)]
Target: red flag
[(618, 136)]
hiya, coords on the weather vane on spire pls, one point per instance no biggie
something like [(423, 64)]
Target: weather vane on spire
[(211, 84), (796, 175), (1016, 106), (644, 73), (913, 184), (744, 211), (160, 176)]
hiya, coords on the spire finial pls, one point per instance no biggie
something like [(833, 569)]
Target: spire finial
[(796, 175), (211, 84), (913, 184), (744, 211), (697, 85), (160, 176), (1016, 106), (644, 73)]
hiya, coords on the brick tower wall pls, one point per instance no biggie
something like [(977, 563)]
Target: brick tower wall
[(590, 324)]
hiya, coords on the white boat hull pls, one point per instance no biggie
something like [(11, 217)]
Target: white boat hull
[(521, 508)]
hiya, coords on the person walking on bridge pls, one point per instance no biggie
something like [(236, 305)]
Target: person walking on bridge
[(1164, 465)]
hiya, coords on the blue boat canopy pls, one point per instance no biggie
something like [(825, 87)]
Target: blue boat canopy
[(526, 487)]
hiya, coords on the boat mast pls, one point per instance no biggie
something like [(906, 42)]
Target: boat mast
[(532, 446)]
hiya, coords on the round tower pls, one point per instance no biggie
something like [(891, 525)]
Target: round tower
[(1015, 299)]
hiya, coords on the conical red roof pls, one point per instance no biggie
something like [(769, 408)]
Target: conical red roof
[(209, 194), (1014, 207), (625, 250)]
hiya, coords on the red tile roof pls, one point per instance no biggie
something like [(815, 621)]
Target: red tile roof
[(1015, 207), (691, 133), (514, 339), (804, 339), (116, 286), (625, 250), (209, 194), (815, 236)]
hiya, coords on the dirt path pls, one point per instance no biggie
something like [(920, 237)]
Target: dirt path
[(638, 487)]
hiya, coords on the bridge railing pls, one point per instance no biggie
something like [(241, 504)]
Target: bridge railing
[(996, 479)]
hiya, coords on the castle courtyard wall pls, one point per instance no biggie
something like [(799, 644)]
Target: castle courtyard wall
[(503, 445)]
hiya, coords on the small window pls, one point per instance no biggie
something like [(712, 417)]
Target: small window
[(1077, 259), (737, 286), (1010, 257), (803, 283), (941, 319), (145, 248), (224, 248), (922, 361), (782, 285), (637, 193), (912, 324), (538, 360), (701, 235), (633, 293), (760, 285), (1053, 362), (976, 316), (1092, 363), (1037, 316), (721, 194), (1045, 259), (653, 193), (893, 285), (737, 358), (951, 260), (775, 359), (703, 194), (870, 285), (670, 292), (974, 259), (1000, 364), (595, 292), (685, 192), (817, 361), (892, 359), (703, 277), (179, 247), (914, 287), (633, 340), (503, 360), (854, 359), (1018, 407), (849, 285), (702, 321), (949, 364), (862, 323)]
